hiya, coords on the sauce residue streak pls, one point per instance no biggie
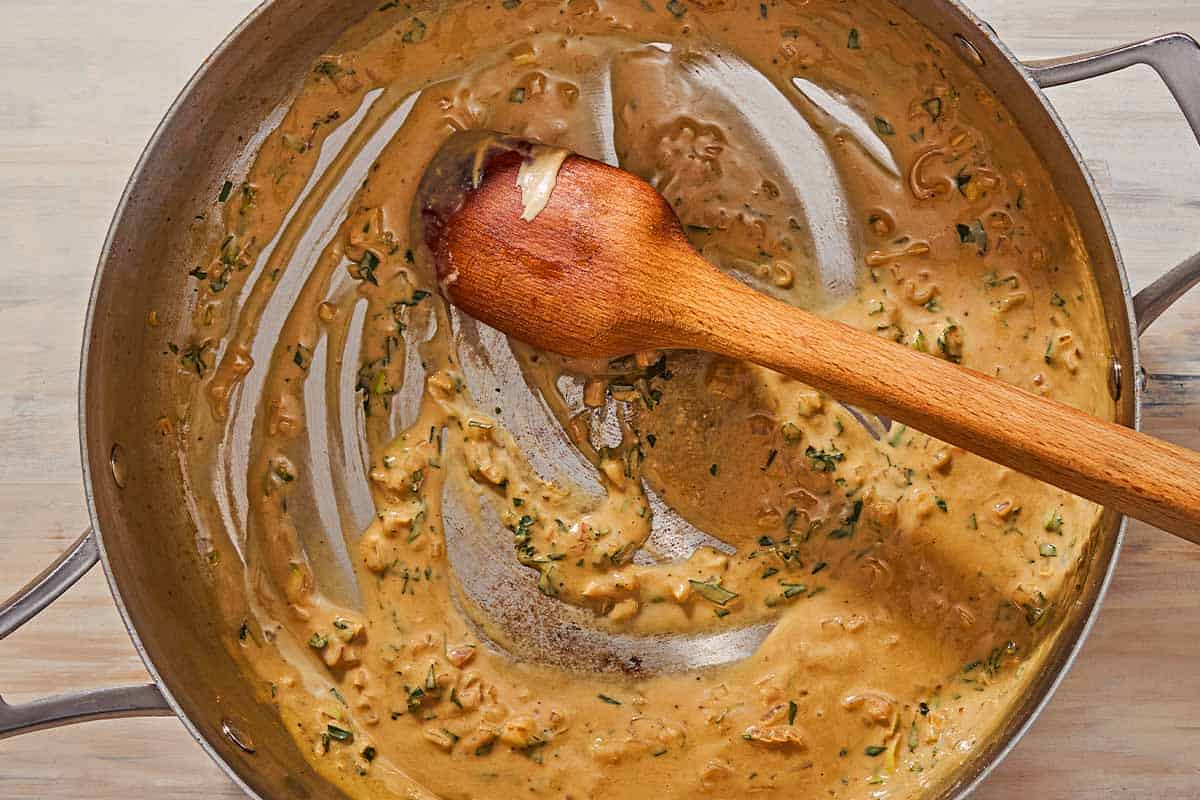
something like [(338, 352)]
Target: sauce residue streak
[(464, 568)]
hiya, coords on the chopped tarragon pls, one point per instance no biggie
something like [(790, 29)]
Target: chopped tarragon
[(713, 592)]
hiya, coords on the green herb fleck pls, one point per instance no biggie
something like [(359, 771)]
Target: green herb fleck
[(329, 69), (282, 472), (824, 460), (415, 32), (341, 734), (852, 41), (610, 700), (713, 591), (218, 281), (973, 234), (192, 357), (367, 267), (995, 658), (417, 296), (993, 280), (1036, 610), (950, 343)]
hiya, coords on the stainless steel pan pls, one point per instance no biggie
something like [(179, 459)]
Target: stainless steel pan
[(141, 530)]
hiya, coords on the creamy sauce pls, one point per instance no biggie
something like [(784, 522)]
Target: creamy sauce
[(472, 569)]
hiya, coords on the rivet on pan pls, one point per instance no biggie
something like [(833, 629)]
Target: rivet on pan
[(116, 461), (236, 736), (1114, 379), (968, 50)]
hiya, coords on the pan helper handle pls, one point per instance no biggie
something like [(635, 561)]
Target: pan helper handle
[(66, 709), (1176, 59)]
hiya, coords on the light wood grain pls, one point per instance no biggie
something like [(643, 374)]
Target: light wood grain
[(85, 84)]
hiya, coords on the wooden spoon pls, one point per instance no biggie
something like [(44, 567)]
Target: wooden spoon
[(604, 270)]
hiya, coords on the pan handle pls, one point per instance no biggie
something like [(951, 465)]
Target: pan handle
[(64, 709), (1176, 59)]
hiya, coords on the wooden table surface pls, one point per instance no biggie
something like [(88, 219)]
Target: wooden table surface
[(85, 83)]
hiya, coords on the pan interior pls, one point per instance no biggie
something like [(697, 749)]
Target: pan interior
[(288, 366)]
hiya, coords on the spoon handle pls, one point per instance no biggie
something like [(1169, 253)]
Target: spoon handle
[(1115, 466)]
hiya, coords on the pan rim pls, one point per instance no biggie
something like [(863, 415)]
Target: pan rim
[(1017, 734), (231, 40)]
